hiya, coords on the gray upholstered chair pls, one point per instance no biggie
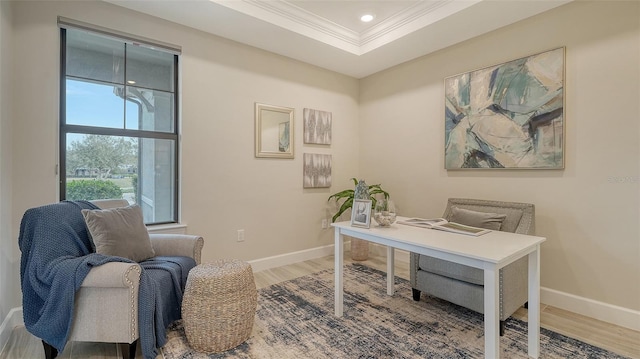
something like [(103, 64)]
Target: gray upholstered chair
[(464, 285), (106, 305)]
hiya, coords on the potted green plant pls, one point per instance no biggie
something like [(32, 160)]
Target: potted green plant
[(359, 248), (348, 195)]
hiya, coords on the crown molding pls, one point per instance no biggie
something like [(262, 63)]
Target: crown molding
[(409, 20), (283, 28), (306, 18), (293, 18)]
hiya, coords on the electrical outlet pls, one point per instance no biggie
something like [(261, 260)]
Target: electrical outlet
[(240, 235), (325, 225)]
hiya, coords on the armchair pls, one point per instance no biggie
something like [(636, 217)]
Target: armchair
[(106, 303), (464, 285)]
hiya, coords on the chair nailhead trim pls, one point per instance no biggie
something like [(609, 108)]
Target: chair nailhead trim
[(132, 297)]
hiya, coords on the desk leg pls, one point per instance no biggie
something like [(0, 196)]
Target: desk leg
[(390, 270), (534, 303), (338, 268), (491, 312)]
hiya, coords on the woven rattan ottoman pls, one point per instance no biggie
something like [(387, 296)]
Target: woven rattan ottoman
[(219, 305)]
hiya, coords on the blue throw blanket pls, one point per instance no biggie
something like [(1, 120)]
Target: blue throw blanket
[(56, 257), (164, 307)]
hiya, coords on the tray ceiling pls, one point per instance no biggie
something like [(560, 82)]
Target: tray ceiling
[(330, 34)]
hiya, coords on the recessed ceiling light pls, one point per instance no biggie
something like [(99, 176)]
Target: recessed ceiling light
[(366, 17), (131, 82)]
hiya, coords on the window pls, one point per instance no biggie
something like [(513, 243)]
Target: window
[(118, 122)]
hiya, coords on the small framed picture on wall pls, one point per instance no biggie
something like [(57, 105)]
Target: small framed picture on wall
[(316, 170), (317, 127)]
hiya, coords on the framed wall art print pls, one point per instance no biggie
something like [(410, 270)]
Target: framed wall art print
[(317, 126), (508, 116), (316, 170)]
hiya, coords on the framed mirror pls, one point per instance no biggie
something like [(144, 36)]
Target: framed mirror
[(274, 131)]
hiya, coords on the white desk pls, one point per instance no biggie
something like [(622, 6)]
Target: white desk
[(489, 252)]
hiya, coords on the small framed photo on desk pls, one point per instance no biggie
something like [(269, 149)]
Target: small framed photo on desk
[(361, 213)]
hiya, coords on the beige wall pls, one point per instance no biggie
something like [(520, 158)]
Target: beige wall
[(9, 257), (589, 217), (224, 187)]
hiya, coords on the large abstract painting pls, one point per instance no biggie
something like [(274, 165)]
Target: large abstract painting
[(507, 116)]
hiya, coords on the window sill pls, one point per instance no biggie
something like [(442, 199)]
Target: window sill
[(173, 228)]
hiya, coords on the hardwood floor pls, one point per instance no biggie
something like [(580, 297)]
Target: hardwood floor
[(23, 345)]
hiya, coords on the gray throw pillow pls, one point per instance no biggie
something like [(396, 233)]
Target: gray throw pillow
[(119, 232), (468, 217)]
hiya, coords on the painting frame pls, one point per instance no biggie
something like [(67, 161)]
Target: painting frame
[(274, 130), (361, 213), (317, 126), (316, 171), (507, 116)]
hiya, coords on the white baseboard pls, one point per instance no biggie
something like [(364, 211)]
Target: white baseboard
[(293, 257), (605, 312), (318, 252), (13, 319)]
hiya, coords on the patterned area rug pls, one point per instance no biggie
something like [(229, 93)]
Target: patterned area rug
[(295, 320)]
